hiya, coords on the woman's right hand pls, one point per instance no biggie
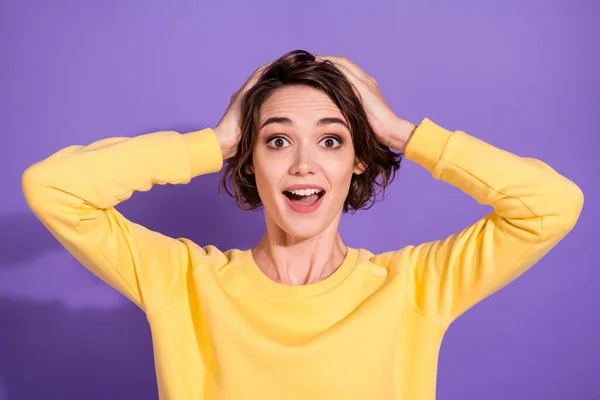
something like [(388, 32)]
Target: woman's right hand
[(229, 128)]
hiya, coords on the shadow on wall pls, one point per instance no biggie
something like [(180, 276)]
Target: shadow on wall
[(49, 351), (194, 211)]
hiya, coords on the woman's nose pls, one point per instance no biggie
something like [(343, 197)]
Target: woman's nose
[(303, 163)]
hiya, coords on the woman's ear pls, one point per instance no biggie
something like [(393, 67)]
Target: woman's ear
[(249, 169), (359, 167)]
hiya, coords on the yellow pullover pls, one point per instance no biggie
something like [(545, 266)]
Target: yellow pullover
[(372, 330)]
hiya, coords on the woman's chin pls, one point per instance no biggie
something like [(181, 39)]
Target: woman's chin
[(303, 230), (302, 226)]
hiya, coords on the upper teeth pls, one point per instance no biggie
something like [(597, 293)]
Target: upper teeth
[(305, 192)]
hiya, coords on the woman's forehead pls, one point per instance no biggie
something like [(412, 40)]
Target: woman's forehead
[(300, 100)]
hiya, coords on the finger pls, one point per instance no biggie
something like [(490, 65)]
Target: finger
[(357, 84), (253, 79), (356, 70)]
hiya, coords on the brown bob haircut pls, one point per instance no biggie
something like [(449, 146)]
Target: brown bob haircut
[(299, 67)]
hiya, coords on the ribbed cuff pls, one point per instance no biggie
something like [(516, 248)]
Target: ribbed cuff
[(204, 152), (427, 144)]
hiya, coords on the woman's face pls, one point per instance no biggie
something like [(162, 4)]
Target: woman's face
[(303, 160)]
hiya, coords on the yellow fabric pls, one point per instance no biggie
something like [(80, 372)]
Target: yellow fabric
[(222, 330)]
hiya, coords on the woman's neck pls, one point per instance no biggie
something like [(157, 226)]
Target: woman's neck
[(293, 261)]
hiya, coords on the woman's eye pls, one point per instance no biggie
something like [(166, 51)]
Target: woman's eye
[(331, 142), (278, 142)]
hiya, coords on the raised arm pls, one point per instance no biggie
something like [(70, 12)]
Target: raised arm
[(74, 193), (534, 208)]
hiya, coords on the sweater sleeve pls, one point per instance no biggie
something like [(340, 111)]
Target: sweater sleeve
[(534, 207), (74, 193)]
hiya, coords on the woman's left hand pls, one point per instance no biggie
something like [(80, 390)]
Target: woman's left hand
[(389, 129)]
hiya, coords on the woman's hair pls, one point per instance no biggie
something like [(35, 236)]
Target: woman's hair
[(299, 67)]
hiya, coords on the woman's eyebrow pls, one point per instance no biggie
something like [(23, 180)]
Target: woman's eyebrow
[(287, 121), (332, 120)]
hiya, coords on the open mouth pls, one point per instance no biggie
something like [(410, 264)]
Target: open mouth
[(304, 197)]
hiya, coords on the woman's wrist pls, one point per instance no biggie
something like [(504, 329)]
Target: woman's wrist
[(227, 150), (401, 135)]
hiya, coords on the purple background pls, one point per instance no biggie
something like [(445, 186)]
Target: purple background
[(522, 75)]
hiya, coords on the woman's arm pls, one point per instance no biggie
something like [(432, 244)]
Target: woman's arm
[(74, 193), (534, 208)]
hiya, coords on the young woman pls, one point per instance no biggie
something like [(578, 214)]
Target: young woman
[(301, 315)]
